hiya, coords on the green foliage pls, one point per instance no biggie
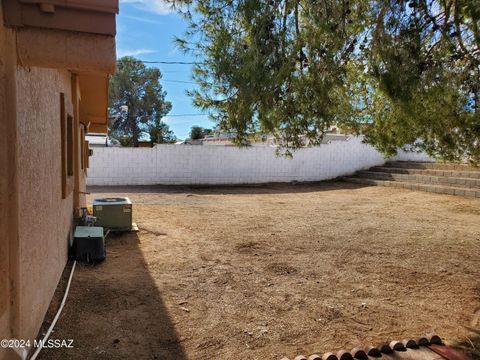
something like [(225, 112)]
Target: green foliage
[(424, 71), (160, 133), (137, 104), (404, 73), (124, 140), (198, 132)]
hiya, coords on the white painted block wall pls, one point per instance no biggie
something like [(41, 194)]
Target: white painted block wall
[(195, 164), (411, 156)]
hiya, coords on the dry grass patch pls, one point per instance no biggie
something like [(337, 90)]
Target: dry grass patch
[(262, 272)]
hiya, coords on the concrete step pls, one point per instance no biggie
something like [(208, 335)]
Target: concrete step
[(431, 165), (423, 179), (439, 189), (430, 172)]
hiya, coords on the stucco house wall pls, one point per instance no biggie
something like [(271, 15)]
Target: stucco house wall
[(7, 178), (35, 217), (44, 218)]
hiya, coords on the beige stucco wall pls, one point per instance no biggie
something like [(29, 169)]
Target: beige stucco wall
[(79, 51), (35, 222), (44, 218), (8, 209)]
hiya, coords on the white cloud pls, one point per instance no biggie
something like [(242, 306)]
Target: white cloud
[(133, 52), (160, 7)]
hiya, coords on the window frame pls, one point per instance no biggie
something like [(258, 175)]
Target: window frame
[(82, 148), (67, 146)]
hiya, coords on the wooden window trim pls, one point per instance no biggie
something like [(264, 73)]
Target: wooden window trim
[(82, 148), (87, 155), (70, 145), (67, 133)]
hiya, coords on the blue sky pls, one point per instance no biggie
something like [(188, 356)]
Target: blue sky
[(146, 29)]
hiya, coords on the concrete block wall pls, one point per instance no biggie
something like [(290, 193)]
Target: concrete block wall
[(411, 156), (191, 164)]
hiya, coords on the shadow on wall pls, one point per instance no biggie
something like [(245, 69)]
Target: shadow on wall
[(115, 310), (268, 188)]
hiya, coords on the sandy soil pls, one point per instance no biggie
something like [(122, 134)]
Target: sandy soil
[(263, 272)]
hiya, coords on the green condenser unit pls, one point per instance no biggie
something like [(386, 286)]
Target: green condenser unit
[(88, 244), (113, 213)]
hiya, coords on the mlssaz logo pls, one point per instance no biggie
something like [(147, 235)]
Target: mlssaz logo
[(54, 343)]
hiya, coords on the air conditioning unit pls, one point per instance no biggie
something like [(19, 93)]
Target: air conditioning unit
[(113, 213)]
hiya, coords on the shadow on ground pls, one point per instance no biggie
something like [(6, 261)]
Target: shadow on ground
[(115, 311), (270, 188)]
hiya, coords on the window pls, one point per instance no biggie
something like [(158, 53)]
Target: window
[(69, 145), (66, 128), (88, 153), (82, 149)]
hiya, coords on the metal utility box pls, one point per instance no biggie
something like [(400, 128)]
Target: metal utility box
[(113, 213), (88, 244)]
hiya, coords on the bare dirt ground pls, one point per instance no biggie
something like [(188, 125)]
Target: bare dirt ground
[(264, 272)]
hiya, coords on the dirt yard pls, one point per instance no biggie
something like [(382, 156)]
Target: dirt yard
[(265, 272)]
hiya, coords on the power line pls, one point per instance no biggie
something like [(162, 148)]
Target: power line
[(167, 62), (177, 115), (178, 81), (170, 62)]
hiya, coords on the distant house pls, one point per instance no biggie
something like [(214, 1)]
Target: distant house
[(98, 140), (226, 139), (222, 139), (55, 60), (145, 143)]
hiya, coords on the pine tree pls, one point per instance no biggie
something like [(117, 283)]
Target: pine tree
[(137, 104), (404, 73)]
